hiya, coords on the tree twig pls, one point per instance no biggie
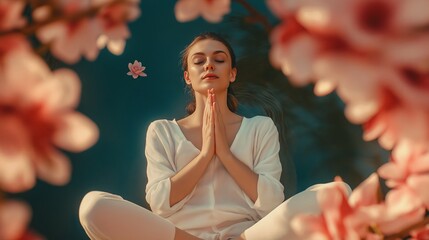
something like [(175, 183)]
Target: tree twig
[(32, 28), (255, 15)]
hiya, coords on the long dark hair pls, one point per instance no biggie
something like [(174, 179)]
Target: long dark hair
[(231, 100)]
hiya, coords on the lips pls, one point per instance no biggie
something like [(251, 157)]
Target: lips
[(210, 76)]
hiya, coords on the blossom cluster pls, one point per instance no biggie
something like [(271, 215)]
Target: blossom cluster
[(375, 55), (38, 117), (372, 52)]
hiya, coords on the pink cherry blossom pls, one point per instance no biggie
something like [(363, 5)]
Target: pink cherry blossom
[(212, 11), (408, 171), (14, 218), (283, 8), (369, 52), (11, 14), (401, 210), (30, 235), (341, 217), (136, 69), (372, 22), (113, 18), (70, 39), (294, 51), (36, 116), (365, 24), (420, 234), (353, 217), (12, 43)]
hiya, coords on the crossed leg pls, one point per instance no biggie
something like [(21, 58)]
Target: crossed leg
[(278, 221), (105, 216)]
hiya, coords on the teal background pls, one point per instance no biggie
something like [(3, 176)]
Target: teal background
[(123, 107)]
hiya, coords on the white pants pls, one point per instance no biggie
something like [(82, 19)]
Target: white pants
[(105, 216)]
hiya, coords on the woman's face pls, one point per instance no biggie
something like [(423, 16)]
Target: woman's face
[(209, 66)]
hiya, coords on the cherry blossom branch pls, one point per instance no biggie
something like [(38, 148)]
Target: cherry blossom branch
[(255, 15), (406, 231), (32, 28)]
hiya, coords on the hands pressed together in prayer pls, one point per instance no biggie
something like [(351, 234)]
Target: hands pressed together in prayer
[(214, 138)]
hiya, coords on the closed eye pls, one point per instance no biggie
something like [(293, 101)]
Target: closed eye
[(198, 61)]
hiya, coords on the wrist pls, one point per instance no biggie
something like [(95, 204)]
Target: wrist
[(224, 155), (205, 156)]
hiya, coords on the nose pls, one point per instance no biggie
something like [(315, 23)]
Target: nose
[(209, 66)]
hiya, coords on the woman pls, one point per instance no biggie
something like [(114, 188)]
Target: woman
[(211, 175)]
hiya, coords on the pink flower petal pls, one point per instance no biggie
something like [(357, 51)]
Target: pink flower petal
[(402, 200), (419, 184), (53, 167), (367, 193), (213, 11), (392, 171), (61, 90), (412, 13), (16, 170), (282, 8), (70, 87), (187, 10), (14, 217), (401, 222), (76, 132), (420, 234)]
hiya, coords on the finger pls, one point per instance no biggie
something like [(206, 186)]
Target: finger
[(208, 104), (217, 109), (214, 114)]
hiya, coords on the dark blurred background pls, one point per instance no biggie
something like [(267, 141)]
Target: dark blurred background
[(318, 144)]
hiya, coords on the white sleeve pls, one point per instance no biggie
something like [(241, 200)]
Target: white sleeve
[(268, 167), (160, 167)]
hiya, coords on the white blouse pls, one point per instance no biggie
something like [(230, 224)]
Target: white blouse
[(217, 208)]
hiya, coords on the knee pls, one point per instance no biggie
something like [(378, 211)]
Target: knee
[(342, 185), (306, 201), (91, 206)]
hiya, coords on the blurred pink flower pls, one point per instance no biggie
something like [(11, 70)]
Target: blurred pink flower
[(14, 218), (294, 51), (11, 14), (212, 11), (371, 22), (377, 65), (408, 171), (136, 69), (401, 209), (70, 39), (36, 116), (113, 18), (12, 43), (341, 217), (420, 234), (283, 8), (30, 235), (364, 24)]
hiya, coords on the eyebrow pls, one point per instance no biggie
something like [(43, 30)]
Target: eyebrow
[(215, 52)]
